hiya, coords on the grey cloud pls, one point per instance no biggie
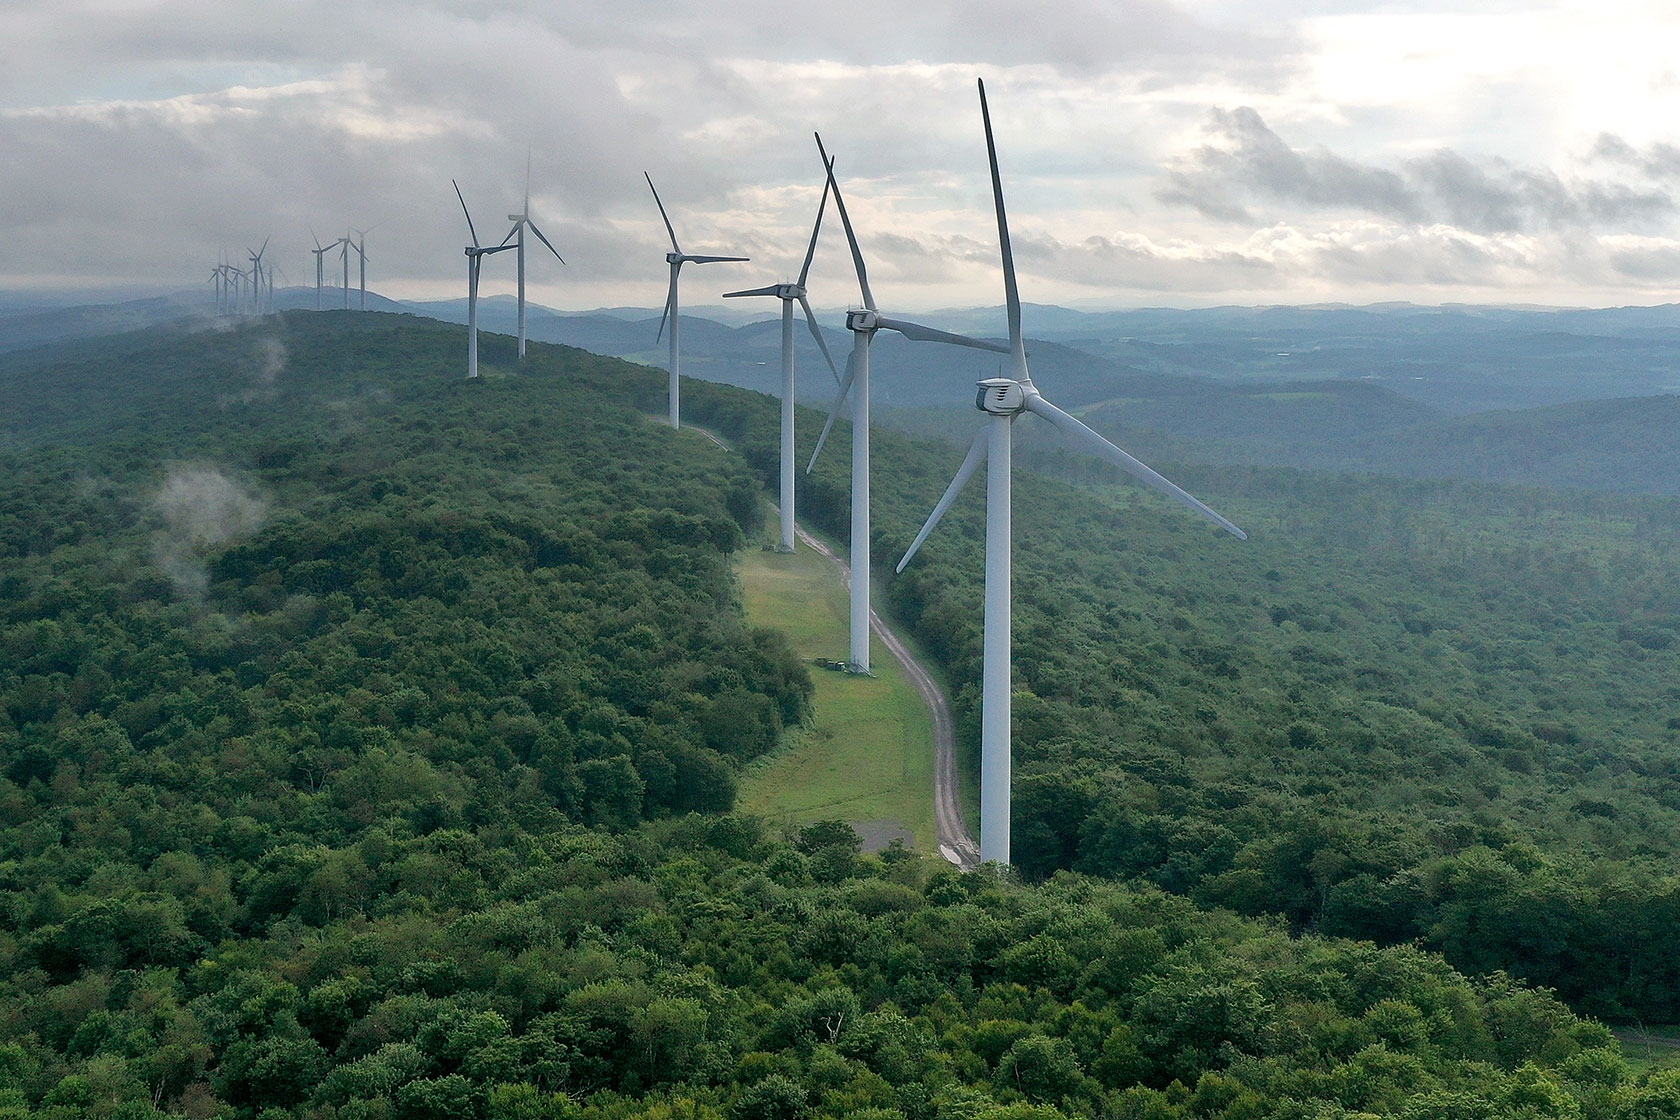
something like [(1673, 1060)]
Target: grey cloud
[(1146, 38), (1658, 264), (1249, 162), (1659, 161), (1255, 160)]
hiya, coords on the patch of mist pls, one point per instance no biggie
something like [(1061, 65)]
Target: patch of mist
[(202, 509), (264, 363)]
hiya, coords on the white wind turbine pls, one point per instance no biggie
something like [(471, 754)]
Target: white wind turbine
[(520, 221), (320, 269), (344, 244), (1003, 399), (863, 324), (789, 294), (257, 276), (475, 259), (676, 259), (360, 245)]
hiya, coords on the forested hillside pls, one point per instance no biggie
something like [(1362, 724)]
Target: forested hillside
[(367, 738), (1405, 711)]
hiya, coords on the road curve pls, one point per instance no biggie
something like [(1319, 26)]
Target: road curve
[(955, 843)]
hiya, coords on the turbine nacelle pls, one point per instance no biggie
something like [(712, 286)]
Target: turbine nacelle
[(1001, 396), (675, 258), (864, 319)]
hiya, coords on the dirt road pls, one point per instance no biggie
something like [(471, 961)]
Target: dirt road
[(955, 843)]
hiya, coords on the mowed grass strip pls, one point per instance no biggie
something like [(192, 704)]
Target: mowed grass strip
[(866, 756)]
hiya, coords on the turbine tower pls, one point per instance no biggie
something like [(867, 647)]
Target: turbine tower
[(863, 324), (475, 260), (343, 244), (257, 276), (360, 245), (789, 294), (320, 270), (520, 221), (1003, 399), (676, 258)]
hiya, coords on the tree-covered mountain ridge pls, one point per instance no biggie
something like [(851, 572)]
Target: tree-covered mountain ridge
[(368, 734)]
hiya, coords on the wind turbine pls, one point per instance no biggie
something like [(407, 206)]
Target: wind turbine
[(475, 260), (320, 271), (789, 294), (1003, 399), (238, 277), (863, 324), (676, 259), (343, 244), (257, 275), (360, 245), (520, 221)]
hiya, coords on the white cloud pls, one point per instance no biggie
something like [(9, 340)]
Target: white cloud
[(1407, 147)]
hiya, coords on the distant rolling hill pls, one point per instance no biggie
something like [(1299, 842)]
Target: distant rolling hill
[(1546, 397), (1625, 445)]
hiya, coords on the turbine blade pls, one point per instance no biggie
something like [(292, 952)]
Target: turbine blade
[(317, 240), (970, 464), (711, 260), (834, 412), (670, 298), (527, 210), (465, 211), (845, 220), (675, 248), (540, 236), (772, 290), (1011, 294), (816, 226), (916, 332), (1087, 439), (816, 333)]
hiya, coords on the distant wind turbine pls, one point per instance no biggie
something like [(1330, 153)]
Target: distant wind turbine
[(360, 245), (257, 276), (863, 324), (676, 258), (520, 221), (1003, 399), (343, 244), (789, 294), (320, 271), (475, 258)]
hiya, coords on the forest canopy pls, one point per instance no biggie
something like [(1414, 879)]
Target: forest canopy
[(368, 739)]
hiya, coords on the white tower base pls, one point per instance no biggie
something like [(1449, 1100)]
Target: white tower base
[(994, 673)]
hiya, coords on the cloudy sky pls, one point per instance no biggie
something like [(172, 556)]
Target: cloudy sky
[(1155, 152)]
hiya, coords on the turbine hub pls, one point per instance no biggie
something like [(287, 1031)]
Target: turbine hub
[(864, 320), (674, 258), (1001, 396)]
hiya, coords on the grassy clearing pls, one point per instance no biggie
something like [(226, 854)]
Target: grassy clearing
[(866, 756), (1650, 1048)]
